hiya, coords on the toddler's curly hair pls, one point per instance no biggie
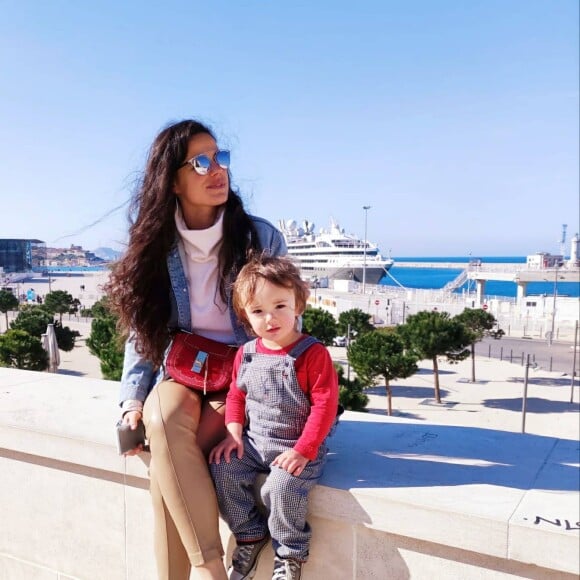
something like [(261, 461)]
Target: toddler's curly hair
[(277, 270)]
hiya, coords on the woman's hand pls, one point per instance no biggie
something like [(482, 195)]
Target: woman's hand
[(131, 418), (225, 448), (291, 461)]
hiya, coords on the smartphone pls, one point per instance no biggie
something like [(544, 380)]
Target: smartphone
[(128, 438)]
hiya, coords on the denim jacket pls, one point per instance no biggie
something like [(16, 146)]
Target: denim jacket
[(139, 375)]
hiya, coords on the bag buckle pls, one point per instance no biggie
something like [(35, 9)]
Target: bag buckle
[(199, 361)]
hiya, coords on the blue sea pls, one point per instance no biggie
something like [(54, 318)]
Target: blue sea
[(435, 278), (429, 278), (70, 269)]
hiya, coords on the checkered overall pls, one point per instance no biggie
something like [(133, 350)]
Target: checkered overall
[(277, 410)]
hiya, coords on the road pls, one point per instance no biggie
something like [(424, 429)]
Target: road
[(559, 356), (560, 353)]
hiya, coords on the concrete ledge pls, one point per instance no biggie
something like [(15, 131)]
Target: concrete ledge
[(418, 500)]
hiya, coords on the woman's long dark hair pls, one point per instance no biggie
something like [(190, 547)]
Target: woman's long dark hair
[(139, 286)]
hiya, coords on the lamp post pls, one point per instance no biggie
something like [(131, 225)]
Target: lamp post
[(347, 347), (366, 208), (554, 296), (550, 340)]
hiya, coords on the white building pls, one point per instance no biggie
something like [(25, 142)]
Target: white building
[(543, 260)]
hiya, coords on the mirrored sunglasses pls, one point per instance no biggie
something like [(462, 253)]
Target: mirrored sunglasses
[(201, 164)]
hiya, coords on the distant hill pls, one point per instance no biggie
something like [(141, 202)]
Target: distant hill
[(107, 254)]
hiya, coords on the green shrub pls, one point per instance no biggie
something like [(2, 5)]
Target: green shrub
[(20, 350)]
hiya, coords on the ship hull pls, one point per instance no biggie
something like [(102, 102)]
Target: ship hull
[(372, 276)]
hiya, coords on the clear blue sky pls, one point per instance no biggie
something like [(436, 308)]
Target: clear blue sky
[(456, 120)]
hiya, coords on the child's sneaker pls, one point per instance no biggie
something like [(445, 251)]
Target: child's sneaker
[(245, 560), (286, 569)]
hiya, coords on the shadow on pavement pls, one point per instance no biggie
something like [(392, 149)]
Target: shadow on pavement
[(392, 454), (544, 381), (424, 371), (533, 405), (407, 391), (71, 373)]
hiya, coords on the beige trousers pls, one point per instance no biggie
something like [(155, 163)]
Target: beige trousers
[(182, 426)]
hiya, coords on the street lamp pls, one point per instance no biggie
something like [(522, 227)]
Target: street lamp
[(366, 208), (555, 294)]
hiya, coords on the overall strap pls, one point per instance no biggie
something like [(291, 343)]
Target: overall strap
[(302, 346), (250, 346)]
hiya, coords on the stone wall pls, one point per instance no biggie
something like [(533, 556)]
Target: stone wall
[(399, 499)]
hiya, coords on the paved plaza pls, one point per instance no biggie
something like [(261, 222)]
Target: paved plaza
[(494, 401)]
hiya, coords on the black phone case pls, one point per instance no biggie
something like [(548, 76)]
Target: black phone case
[(128, 438)]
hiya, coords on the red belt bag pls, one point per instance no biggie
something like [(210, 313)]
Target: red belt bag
[(200, 363)]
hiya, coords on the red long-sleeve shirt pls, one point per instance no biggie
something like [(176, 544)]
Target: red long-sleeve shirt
[(317, 379)]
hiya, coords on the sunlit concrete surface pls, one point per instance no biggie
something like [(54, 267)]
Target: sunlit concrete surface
[(401, 497)]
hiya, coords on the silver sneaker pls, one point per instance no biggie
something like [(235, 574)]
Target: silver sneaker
[(245, 560), (286, 569)]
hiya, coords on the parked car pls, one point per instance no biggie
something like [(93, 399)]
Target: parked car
[(496, 332), (339, 341)]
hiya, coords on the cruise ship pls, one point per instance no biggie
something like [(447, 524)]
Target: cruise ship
[(333, 254)]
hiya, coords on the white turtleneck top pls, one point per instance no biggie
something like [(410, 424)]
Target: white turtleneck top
[(199, 250)]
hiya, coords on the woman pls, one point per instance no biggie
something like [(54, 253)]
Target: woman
[(189, 238)]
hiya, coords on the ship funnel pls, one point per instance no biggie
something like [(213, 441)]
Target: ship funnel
[(308, 227)]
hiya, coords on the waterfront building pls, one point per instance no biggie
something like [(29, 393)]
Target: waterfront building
[(75, 256), (21, 255), (542, 260)]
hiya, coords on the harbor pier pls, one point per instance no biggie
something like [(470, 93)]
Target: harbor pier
[(518, 273), (520, 276)]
